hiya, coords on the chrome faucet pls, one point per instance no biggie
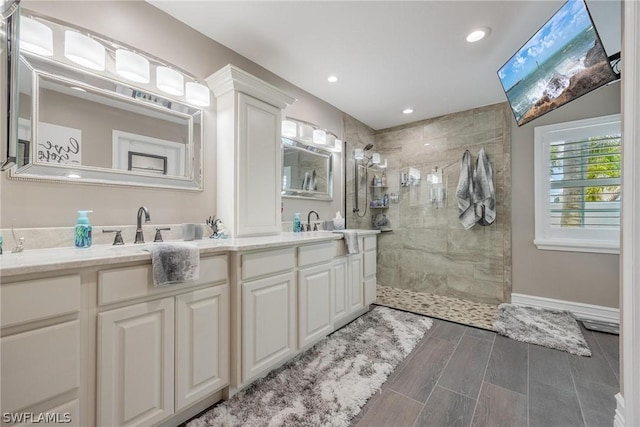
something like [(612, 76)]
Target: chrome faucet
[(147, 218), (315, 226)]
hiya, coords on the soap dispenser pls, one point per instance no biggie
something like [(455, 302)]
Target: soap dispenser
[(83, 230), (297, 225)]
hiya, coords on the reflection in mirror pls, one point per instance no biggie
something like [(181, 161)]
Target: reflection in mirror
[(92, 127), (307, 171)]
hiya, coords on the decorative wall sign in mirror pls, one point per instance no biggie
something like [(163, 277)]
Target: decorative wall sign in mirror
[(92, 126), (307, 171)]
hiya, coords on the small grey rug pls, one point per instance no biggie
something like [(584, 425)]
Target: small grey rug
[(328, 384), (548, 328)]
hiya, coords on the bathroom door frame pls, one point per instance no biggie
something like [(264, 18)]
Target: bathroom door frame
[(628, 400)]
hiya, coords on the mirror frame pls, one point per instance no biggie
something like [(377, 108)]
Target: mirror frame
[(317, 151), (65, 73)]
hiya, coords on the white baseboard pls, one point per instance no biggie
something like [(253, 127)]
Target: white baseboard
[(618, 419), (578, 309)]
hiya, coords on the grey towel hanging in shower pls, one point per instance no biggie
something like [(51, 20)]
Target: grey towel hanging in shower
[(465, 193), (484, 193)]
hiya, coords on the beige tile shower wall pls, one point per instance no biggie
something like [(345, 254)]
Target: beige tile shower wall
[(428, 250), (138, 24)]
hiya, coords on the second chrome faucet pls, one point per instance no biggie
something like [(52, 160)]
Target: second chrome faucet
[(147, 218)]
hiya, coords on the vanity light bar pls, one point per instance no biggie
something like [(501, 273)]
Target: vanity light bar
[(311, 133), (90, 51)]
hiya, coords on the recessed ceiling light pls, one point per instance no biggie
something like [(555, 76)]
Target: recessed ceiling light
[(332, 78), (478, 34), (427, 144), (73, 175), (407, 111)]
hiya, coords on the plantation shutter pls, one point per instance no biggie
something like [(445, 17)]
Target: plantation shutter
[(577, 185), (584, 180)]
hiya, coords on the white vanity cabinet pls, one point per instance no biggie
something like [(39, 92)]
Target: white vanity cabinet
[(40, 350), (159, 356), (369, 268), (249, 159), (202, 344), (267, 297), (355, 285), (135, 364), (315, 277), (340, 288)]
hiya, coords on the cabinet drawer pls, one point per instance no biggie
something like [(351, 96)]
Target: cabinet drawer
[(40, 364), (30, 300), (268, 262), (121, 284), (315, 254), (370, 243)]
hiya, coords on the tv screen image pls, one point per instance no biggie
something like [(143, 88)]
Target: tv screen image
[(564, 60)]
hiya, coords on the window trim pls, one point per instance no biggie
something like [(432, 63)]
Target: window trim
[(574, 240)]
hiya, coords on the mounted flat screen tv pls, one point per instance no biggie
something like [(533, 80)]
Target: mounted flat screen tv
[(561, 62)]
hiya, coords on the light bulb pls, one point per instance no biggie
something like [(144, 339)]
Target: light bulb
[(198, 94), (319, 136), (170, 81), (35, 37), (132, 66), (289, 129), (84, 50)]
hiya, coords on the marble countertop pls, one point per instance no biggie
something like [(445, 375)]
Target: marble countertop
[(54, 259)]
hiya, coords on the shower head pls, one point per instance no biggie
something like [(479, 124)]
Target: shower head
[(367, 147)]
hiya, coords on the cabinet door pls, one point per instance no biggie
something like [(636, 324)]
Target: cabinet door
[(135, 364), (268, 323), (370, 290), (202, 344), (39, 365), (370, 266), (260, 164), (314, 304), (339, 289), (356, 289)]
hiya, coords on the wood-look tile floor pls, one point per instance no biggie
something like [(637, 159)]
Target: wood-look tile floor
[(462, 376)]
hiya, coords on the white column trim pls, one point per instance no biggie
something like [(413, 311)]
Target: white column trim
[(629, 412), (578, 309)]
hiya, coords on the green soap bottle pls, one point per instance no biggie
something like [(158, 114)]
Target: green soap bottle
[(83, 230)]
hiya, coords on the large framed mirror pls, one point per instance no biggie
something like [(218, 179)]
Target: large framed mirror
[(307, 171), (76, 125)]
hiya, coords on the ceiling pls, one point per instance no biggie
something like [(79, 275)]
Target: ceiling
[(388, 55)]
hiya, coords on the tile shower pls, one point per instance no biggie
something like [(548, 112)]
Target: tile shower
[(428, 250)]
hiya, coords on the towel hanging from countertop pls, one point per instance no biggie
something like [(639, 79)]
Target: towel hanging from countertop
[(465, 193), (484, 193), (174, 263), (350, 241)]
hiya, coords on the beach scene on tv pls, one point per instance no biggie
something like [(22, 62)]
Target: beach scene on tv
[(562, 61)]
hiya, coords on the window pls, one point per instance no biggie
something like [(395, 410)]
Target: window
[(577, 185)]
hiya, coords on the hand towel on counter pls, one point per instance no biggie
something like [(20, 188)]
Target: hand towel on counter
[(350, 240), (174, 263), (465, 193), (484, 193)]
